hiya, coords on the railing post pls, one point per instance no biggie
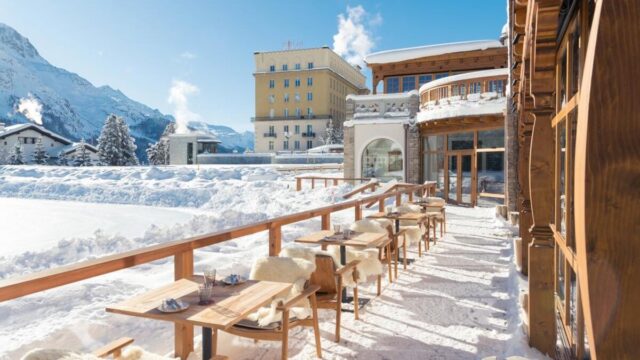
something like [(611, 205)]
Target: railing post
[(298, 184), (326, 182), (326, 221), (313, 183), (398, 199), (358, 211), (183, 269), (335, 182), (381, 205), (275, 239), (411, 195)]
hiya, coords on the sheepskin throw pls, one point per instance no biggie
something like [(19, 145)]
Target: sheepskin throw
[(129, 353), (295, 271)]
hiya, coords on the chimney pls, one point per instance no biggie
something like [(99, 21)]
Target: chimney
[(2, 128)]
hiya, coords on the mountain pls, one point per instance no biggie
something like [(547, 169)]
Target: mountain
[(69, 104), (231, 139)]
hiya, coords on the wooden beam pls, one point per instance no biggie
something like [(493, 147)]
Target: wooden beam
[(275, 239), (183, 339)]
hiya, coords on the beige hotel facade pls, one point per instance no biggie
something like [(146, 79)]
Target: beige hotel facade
[(298, 93)]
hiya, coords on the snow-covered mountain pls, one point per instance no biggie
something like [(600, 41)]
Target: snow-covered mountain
[(231, 139), (70, 105)]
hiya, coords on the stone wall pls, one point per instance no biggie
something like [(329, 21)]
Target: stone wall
[(413, 154), (349, 152)]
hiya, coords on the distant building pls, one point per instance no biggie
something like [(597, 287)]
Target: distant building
[(27, 136), (441, 118), (298, 92), (188, 149)]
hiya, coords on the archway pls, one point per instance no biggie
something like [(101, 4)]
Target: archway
[(382, 159)]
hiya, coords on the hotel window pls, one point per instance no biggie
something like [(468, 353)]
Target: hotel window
[(271, 98), (286, 83), (309, 144), (496, 86), (309, 128), (296, 145), (272, 84), (458, 90), (310, 65), (286, 128), (286, 112), (309, 111), (309, 81), (309, 96), (270, 145), (297, 66), (441, 75), (298, 112), (475, 88), (297, 97), (272, 68), (285, 67), (272, 129), (423, 79), (286, 98), (285, 145), (408, 83), (393, 85), (297, 82), (297, 129)]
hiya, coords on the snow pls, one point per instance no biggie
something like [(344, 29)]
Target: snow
[(330, 148), (397, 55), (464, 76), (459, 301), (455, 106)]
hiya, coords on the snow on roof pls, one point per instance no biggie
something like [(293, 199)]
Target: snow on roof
[(390, 96), (12, 129), (73, 147), (326, 148), (464, 76), (396, 55), (454, 107)]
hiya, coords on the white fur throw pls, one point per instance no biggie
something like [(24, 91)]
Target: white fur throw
[(413, 231), (129, 353), (282, 269)]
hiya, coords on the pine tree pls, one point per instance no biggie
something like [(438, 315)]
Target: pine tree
[(158, 153), (82, 157), (63, 159), (334, 134), (16, 155), (40, 155), (115, 146)]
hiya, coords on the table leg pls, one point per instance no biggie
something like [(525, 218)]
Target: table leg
[(343, 261), (397, 226), (206, 343)]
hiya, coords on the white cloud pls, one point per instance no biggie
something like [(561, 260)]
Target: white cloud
[(354, 41), (179, 97), (31, 108), (188, 55)]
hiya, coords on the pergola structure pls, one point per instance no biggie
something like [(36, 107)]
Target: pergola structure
[(574, 81)]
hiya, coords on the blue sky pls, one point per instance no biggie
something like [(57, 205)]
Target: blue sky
[(141, 47)]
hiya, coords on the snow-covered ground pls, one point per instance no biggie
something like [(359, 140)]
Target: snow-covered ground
[(459, 301)]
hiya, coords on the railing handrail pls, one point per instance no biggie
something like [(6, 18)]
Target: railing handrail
[(309, 177), (23, 285)]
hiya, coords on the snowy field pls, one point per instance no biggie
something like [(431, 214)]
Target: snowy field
[(53, 216)]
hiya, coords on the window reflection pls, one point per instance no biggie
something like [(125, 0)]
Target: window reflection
[(382, 159)]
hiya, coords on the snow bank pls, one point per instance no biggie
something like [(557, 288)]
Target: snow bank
[(455, 106)]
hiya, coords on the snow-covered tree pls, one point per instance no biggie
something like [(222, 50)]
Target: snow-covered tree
[(40, 155), (158, 153), (82, 157), (16, 157), (63, 159), (115, 146), (333, 135)]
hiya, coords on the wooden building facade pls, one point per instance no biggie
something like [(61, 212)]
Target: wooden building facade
[(574, 80)]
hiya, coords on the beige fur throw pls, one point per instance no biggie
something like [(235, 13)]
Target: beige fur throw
[(282, 269), (129, 353)]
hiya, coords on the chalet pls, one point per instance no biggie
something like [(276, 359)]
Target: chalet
[(27, 135)]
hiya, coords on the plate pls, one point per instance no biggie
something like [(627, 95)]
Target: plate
[(182, 307), (234, 279)]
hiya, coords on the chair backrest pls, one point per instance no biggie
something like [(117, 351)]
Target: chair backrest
[(283, 269), (377, 226), (324, 275), (409, 208)]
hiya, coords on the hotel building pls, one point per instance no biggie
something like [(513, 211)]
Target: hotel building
[(298, 93)]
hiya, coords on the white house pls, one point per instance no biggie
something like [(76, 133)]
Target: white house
[(27, 136), (192, 148)]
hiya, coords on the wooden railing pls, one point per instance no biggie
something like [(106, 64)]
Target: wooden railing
[(328, 180), (182, 251)]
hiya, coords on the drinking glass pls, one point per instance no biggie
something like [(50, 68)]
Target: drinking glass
[(336, 229), (388, 210), (204, 294), (210, 276), (346, 234)]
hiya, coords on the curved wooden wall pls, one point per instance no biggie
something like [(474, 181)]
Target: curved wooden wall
[(607, 182)]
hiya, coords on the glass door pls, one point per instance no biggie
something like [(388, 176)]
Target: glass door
[(461, 178), (465, 179), (452, 190)]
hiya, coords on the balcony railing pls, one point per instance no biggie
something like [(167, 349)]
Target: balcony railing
[(270, 135), (294, 117), (309, 134)]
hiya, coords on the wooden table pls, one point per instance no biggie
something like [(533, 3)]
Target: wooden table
[(231, 304), (361, 240), (411, 216)]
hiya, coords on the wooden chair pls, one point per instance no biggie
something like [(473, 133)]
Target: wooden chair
[(438, 209), (386, 249), (329, 278), (279, 331)]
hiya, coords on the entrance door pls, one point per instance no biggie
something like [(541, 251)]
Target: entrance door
[(460, 178)]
